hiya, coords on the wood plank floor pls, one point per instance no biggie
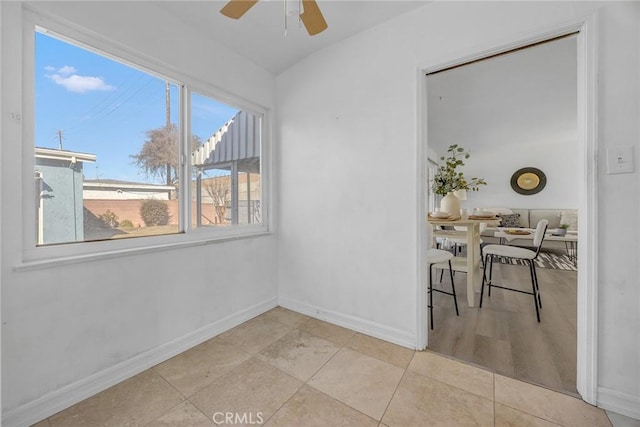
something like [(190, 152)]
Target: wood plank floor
[(504, 335)]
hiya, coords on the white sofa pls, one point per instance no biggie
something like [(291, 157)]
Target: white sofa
[(528, 219)]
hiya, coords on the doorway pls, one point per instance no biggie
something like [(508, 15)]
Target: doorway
[(584, 185), (514, 110)]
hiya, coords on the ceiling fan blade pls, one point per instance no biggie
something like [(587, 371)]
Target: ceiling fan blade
[(312, 18), (236, 8)]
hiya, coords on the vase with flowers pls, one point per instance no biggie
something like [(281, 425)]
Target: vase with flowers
[(448, 179)]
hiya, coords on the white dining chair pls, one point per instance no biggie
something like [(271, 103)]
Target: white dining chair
[(516, 252), (437, 258)]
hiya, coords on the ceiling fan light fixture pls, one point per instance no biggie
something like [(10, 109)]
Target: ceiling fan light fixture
[(308, 12), (293, 7)]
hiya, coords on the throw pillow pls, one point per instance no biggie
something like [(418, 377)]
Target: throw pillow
[(570, 218), (509, 220)]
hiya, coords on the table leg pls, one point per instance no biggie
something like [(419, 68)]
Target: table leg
[(572, 250), (474, 278)]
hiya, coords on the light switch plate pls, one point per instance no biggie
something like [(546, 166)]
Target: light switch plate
[(620, 160)]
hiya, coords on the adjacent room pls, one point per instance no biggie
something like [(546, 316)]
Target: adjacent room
[(514, 113), (217, 212)]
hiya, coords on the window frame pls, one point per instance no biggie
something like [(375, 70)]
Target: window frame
[(34, 256), (432, 198)]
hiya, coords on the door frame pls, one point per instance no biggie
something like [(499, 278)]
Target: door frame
[(587, 297)]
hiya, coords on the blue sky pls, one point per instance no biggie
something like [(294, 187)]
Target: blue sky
[(104, 107)]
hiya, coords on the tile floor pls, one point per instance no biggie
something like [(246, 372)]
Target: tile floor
[(286, 369)]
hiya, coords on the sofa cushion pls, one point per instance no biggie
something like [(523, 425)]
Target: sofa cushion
[(499, 210), (570, 218), (509, 220), (552, 215), (525, 221)]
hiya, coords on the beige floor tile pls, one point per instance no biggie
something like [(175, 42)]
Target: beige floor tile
[(255, 334), (452, 372), (311, 408), (362, 382), (383, 350), (509, 417), (336, 334), (299, 353), (619, 420), (184, 414), (549, 405), (254, 389), (136, 401), (422, 401), (43, 423), (288, 317), (195, 368)]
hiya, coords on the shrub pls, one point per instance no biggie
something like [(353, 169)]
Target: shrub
[(126, 223), (154, 212), (109, 218)]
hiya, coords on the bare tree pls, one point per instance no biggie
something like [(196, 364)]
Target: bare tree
[(158, 156), (219, 191)]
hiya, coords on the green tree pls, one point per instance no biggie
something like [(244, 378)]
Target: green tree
[(159, 157)]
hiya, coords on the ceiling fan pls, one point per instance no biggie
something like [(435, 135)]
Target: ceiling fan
[(310, 13)]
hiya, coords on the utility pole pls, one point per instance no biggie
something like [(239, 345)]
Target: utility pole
[(59, 140), (168, 104)]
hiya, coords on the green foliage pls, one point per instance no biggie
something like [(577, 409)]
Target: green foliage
[(126, 223), (154, 212), (109, 218), (447, 179), (565, 226)]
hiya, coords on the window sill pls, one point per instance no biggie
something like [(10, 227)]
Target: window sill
[(104, 255)]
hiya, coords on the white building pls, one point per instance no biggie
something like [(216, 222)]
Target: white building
[(111, 189)]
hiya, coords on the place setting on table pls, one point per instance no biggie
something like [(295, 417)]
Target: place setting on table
[(476, 215)]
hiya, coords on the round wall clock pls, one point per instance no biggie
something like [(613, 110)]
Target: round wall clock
[(528, 181)]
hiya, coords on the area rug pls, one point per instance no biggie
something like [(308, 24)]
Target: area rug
[(552, 260)]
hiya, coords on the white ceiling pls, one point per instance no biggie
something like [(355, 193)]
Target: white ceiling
[(259, 34), (525, 96)]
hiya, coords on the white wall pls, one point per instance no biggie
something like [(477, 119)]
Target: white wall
[(1, 238), (348, 120), (72, 329), (512, 111), (347, 185)]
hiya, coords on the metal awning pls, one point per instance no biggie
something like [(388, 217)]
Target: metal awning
[(238, 141)]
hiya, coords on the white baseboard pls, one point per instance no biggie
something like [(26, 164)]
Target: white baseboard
[(57, 400), (396, 336), (621, 403)]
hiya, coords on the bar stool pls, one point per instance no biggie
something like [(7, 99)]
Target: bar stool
[(516, 252), (434, 258)]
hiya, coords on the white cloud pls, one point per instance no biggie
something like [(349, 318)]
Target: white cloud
[(67, 77), (67, 70)]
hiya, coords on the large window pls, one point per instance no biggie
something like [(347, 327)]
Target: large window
[(109, 140)]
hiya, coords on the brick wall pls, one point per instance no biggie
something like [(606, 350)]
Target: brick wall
[(130, 209)]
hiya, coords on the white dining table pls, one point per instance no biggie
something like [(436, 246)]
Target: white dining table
[(470, 263)]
